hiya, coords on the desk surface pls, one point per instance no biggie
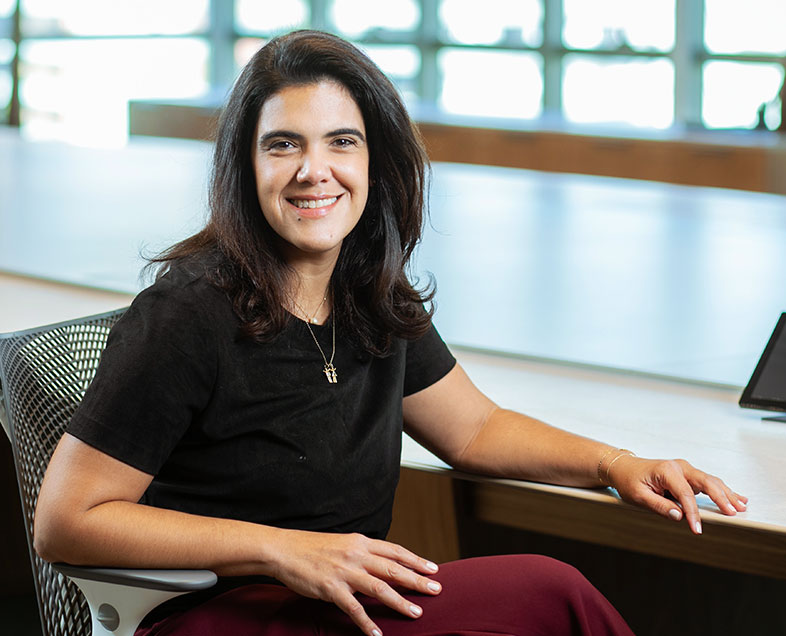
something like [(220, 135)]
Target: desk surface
[(664, 279)]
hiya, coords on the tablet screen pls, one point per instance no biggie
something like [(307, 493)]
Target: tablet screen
[(767, 386)]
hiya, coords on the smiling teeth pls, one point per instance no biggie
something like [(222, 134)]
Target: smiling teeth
[(313, 203)]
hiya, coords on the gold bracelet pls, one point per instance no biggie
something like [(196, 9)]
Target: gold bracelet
[(622, 453), (600, 463)]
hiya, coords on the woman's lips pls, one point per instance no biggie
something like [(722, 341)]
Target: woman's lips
[(314, 207)]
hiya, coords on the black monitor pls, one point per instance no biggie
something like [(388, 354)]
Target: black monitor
[(767, 387)]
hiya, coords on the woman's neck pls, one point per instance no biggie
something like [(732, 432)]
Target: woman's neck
[(310, 296)]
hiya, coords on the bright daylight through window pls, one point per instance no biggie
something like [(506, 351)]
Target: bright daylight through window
[(635, 65)]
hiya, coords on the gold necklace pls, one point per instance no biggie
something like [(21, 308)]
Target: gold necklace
[(329, 370), (313, 318)]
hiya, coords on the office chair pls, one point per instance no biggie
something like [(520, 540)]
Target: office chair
[(43, 376)]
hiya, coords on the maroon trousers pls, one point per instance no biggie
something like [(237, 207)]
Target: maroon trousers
[(521, 595)]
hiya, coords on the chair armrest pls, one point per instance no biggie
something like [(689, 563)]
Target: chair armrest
[(120, 598), (164, 580)]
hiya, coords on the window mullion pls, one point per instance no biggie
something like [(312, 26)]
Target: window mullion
[(319, 15), (689, 44), (429, 80), (552, 57), (14, 108), (222, 39)]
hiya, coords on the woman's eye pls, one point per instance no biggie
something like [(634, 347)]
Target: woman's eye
[(344, 142), (281, 145)]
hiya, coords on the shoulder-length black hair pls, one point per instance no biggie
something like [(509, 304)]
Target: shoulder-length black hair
[(373, 300)]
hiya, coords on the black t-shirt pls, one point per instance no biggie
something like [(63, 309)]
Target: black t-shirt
[(237, 429)]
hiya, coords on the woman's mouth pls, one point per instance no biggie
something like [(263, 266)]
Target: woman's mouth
[(310, 204)]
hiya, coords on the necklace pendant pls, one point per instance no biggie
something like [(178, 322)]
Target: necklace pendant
[(330, 373)]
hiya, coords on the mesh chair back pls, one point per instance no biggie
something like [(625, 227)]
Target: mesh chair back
[(43, 376)]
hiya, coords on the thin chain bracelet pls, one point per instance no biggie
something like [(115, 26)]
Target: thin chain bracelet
[(622, 453), (600, 463)]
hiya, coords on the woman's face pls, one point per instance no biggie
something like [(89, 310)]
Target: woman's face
[(311, 165)]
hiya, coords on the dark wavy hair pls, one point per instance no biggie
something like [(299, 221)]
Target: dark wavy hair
[(373, 300)]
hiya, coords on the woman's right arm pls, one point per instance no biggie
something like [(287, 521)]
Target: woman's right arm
[(87, 514)]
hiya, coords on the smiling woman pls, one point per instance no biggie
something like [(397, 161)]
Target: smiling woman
[(248, 411)]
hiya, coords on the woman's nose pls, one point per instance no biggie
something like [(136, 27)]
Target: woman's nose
[(315, 168)]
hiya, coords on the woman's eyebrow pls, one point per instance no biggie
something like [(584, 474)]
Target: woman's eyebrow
[(277, 134), (346, 131)]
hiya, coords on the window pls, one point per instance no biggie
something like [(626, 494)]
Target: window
[(741, 94), (618, 90), (635, 64), (741, 86), (78, 90), (82, 61), (7, 50), (514, 87), (514, 22), (252, 16), (641, 25), (754, 26), (359, 18)]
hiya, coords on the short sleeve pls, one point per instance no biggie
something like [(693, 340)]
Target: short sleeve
[(428, 360), (155, 375)]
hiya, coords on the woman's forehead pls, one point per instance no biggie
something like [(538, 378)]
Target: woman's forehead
[(319, 103)]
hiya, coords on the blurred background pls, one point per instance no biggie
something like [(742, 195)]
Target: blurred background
[(68, 69)]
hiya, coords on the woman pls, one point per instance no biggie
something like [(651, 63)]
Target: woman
[(247, 413)]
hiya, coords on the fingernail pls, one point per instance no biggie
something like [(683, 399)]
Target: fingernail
[(416, 611), (431, 566), (698, 527), (434, 586), (731, 509), (675, 514), (376, 632)]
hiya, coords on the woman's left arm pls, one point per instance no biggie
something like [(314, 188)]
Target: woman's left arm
[(457, 422)]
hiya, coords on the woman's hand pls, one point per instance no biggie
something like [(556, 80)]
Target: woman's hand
[(333, 567), (658, 484)]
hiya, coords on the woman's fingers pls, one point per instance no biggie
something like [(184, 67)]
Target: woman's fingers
[(394, 573), (647, 482), (669, 478), (725, 498), (348, 604), (683, 493), (333, 567), (403, 556), (381, 573)]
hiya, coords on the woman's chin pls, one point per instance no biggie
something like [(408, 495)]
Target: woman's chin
[(312, 250)]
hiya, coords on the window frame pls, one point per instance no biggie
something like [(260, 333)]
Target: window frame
[(688, 57)]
